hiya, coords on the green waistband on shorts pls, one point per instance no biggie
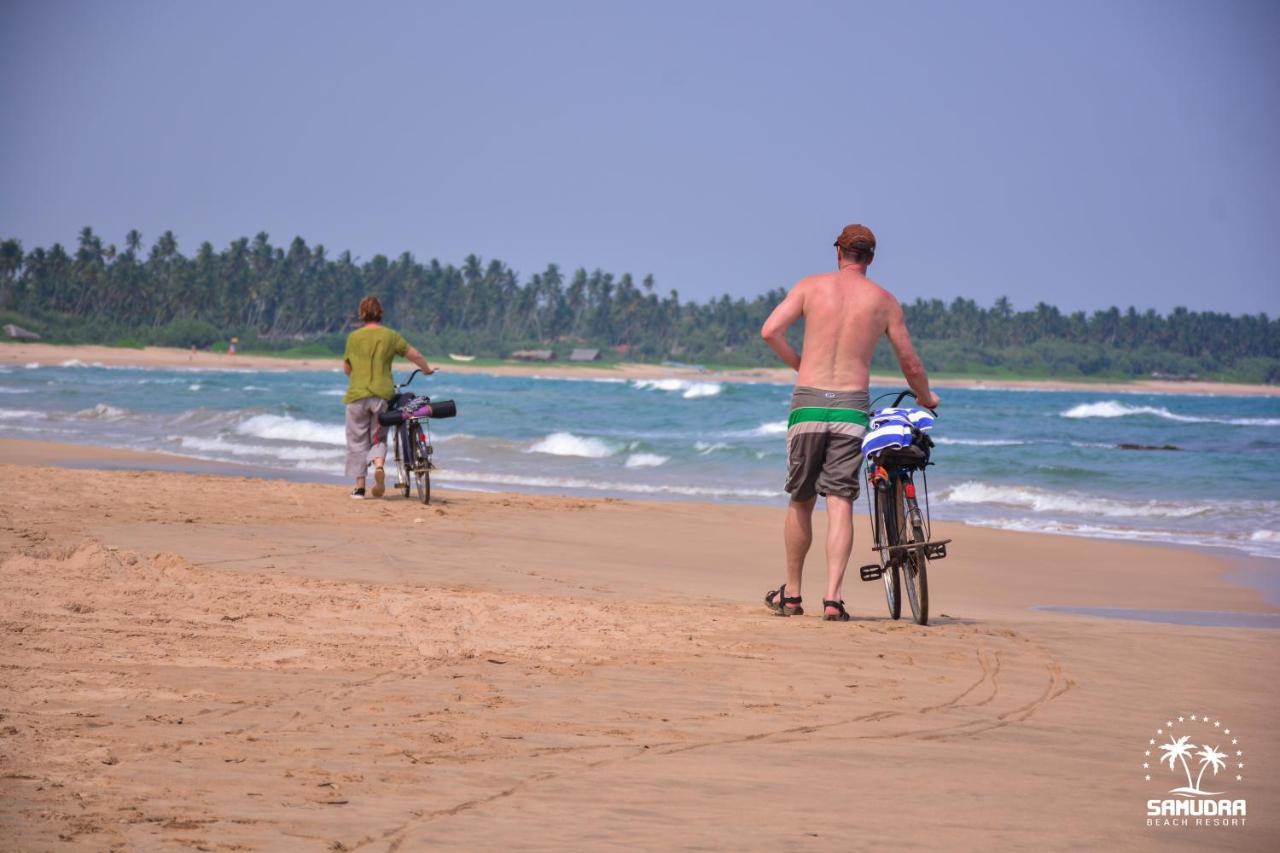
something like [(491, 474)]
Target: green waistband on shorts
[(806, 414)]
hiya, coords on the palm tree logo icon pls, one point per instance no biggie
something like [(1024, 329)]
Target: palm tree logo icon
[(1178, 751)]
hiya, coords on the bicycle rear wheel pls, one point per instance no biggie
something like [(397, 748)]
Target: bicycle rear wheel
[(915, 565), (886, 535), (423, 480)]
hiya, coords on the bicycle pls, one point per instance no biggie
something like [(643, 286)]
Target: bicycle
[(412, 449), (901, 532)]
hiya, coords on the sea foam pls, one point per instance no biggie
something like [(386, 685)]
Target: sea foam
[(568, 483), (568, 444), (285, 428), (979, 442), (1042, 500), (102, 411), (221, 445), (687, 389), (646, 460), (771, 428)]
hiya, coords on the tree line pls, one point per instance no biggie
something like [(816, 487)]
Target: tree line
[(278, 297)]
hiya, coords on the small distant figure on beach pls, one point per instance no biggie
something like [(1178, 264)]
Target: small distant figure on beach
[(192, 357), (370, 351), (231, 347), (845, 314)]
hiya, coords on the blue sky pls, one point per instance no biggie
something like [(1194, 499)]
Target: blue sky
[(1079, 153)]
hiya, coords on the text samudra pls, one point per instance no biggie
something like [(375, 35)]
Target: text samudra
[(1195, 808)]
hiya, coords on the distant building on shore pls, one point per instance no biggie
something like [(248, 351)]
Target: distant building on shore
[(533, 355), (20, 334), (585, 355)]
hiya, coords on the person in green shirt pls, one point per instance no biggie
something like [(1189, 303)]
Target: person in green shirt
[(367, 362)]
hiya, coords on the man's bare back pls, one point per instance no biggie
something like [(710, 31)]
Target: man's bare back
[(845, 313)]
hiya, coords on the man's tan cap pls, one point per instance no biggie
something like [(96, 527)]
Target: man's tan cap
[(856, 237)]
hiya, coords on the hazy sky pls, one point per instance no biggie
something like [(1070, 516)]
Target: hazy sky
[(1080, 153)]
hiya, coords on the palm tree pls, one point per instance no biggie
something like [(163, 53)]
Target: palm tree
[(1209, 757), (1178, 749)]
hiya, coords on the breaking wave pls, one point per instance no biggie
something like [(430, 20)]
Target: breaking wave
[(285, 428), (1116, 409), (568, 444), (1042, 500), (222, 446), (646, 460), (102, 412), (686, 388)]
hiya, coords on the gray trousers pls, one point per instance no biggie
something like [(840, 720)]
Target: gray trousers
[(366, 438)]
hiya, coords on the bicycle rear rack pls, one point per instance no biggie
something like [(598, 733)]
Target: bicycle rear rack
[(930, 548)]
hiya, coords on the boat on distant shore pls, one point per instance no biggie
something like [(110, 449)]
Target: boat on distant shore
[(457, 357)]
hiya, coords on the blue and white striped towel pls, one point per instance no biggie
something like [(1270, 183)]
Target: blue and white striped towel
[(922, 419), (892, 428)]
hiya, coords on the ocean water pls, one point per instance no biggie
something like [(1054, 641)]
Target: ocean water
[(1018, 460)]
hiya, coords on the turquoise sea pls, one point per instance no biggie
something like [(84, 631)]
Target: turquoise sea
[(1020, 460)]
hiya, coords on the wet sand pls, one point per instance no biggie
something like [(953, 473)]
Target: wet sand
[(201, 661)]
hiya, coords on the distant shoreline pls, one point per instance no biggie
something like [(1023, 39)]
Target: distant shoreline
[(18, 354)]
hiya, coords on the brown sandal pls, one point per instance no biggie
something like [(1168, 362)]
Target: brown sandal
[(780, 603), (842, 616)]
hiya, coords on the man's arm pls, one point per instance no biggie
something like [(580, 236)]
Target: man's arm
[(912, 366), (774, 330), (417, 358)]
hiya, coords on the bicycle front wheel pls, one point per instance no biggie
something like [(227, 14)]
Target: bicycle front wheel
[(419, 463), (423, 480), (886, 535)]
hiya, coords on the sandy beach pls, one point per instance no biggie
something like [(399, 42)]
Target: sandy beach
[(214, 662), (13, 354)]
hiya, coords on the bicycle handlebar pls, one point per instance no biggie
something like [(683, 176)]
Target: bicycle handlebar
[(909, 393), (405, 384)]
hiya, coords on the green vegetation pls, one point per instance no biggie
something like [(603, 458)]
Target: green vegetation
[(298, 301)]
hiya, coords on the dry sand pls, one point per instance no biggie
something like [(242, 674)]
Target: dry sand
[(160, 357), (221, 663)]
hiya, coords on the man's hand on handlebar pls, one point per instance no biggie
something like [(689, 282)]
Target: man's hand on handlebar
[(930, 402)]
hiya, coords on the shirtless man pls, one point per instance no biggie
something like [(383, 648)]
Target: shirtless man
[(845, 313)]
